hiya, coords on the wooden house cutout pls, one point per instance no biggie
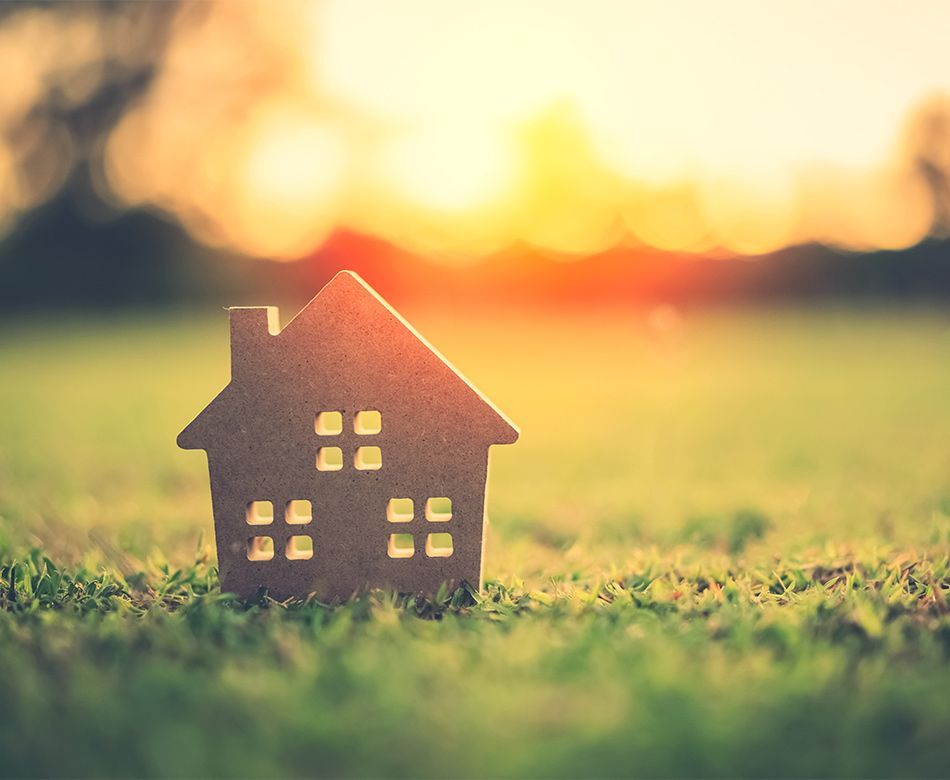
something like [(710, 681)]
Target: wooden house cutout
[(345, 453)]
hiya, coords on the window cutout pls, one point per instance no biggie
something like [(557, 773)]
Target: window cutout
[(439, 545), (401, 546), (329, 424), (298, 512), (260, 548), (368, 422), (260, 513), (368, 458), (299, 548), (439, 510), (329, 459), (400, 510)]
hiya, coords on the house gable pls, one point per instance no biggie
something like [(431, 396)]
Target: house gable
[(348, 413), (366, 330)]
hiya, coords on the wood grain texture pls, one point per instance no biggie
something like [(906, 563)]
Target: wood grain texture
[(346, 352)]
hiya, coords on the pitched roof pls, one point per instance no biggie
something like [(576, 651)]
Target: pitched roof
[(340, 297)]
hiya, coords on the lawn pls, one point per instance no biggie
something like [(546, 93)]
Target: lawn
[(720, 548)]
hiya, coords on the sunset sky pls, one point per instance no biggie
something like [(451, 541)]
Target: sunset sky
[(463, 128)]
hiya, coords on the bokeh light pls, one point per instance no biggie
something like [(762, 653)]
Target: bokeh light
[(460, 129)]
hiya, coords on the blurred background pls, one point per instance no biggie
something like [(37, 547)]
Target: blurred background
[(728, 224), (537, 152), (698, 251)]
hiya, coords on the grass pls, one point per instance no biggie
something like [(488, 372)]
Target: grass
[(721, 548)]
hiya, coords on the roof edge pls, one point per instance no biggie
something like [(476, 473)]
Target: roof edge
[(191, 436), (510, 432)]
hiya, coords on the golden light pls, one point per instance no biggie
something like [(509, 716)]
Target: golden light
[(751, 218), (671, 219), (460, 129), (447, 168), (429, 62), (294, 170), (295, 164)]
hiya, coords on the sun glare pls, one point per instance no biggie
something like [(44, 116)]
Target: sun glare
[(295, 165), (292, 178), (467, 127), (448, 168)]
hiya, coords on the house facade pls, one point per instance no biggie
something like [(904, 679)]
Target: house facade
[(345, 453)]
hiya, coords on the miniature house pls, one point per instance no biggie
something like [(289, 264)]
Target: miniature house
[(345, 453)]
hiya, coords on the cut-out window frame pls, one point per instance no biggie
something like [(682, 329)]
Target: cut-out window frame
[(436, 550), (360, 463), (295, 514), (395, 550), (293, 551), (322, 462), (400, 510), (328, 423), (254, 516), (255, 550), (436, 515), (368, 422)]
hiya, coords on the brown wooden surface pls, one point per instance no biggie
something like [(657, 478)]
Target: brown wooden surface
[(348, 352)]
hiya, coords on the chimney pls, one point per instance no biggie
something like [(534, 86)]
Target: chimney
[(251, 327)]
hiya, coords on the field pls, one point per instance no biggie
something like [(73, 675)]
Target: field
[(720, 548)]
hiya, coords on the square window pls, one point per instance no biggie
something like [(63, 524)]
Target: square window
[(260, 548), (368, 422), (400, 510), (401, 546), (259, 513), (439, 510), (299, 548), (298, 512), (329, 424), (439, 545), (329, 459), (368, 458)]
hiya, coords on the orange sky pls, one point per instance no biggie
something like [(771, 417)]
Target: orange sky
[(456, 129)]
